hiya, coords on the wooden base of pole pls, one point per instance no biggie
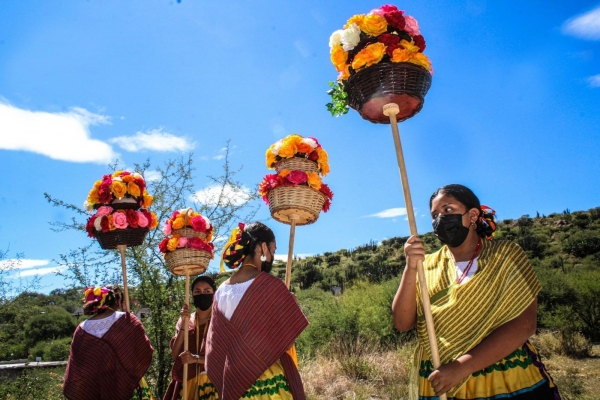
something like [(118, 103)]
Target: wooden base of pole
[(288, 270), (391, 110), (186, 339), (122, 248)]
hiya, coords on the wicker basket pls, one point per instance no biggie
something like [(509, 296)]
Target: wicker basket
[(128, 236), (302, 201), (296, 163), (189, 233), (405, 84), (183, 261)]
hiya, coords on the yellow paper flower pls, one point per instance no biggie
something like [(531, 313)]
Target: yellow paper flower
[(344, 74), (179, 222), (93, 197), (154, 222), (314, 181), (128, 178), (117, 173), (323, 161), (111, 224), (97, 291), (284, 173), (133, 189), (209, 237), (172, 243), (355, 19), (118, 189), (147, 199), (271, 158), (409, 46), (401, 55), (368, 56), (287, 149), (339, 57), (374, 25), (421, 60)]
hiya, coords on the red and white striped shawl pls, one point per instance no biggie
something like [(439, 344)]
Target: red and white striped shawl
[(262, 328), (109, 367)]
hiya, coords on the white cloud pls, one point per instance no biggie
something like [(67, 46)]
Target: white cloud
[(155, 140), (152, 176), (15, 263), (594, 81), (584, 26), (61, 136), (389, 213), (219, 157), (302, 48), (39, 272), (216, 195), (283, 257)]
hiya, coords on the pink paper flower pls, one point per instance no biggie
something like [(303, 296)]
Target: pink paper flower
[(297, 177), (182, 242), (120, 220), (411, 25), (167, 229), (104, 210), (142, 220)]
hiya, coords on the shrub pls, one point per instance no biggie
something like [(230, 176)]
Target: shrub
[(54, 324), (582, 243)]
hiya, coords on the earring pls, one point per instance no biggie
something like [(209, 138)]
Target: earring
[(473, 224), (263, 258)]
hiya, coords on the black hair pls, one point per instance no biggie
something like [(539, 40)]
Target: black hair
[(254, 234), (206, 279), (465, 196)]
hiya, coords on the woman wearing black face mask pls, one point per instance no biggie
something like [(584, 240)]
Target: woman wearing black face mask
[(484, 305), (203, 289), (249, 347)]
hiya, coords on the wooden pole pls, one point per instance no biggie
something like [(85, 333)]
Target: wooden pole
[(391, 110), (122, 248), (288, 269), (186, 340)]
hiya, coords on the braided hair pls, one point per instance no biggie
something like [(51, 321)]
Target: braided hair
[(243, 242), (486, 220)]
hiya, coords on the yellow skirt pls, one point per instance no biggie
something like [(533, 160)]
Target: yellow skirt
[(271, 385), (514, 375), (144, 390)]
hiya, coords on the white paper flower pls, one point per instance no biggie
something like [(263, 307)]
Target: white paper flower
[(350, 37), (275, 149), (118, 179), (137, 176), (310, 142), (87, 206), (335, 38), (97, 224)]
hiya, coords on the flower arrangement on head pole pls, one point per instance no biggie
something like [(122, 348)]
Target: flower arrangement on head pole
[(187, 229), (121, 216), (282, 156), (385, 35)]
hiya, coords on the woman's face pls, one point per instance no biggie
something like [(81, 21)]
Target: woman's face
[(272, 247), (202, 288), (444, 204)]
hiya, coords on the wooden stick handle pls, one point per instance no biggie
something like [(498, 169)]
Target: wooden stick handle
[(391, 110), (186, 339), (288, 268), (122, 248)]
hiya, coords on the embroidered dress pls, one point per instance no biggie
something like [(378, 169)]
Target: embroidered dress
[(110, 366), (503, 286), (248, 356), (199, 386)]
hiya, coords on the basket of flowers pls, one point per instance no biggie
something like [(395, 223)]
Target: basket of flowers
[(297, 188), (121, 213), (188, 246), (380, 60)]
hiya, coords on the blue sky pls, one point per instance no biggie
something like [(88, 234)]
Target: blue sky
[(513, 111)]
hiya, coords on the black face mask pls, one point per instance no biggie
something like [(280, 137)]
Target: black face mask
[(450, 229), (267, 266), (203, 301)]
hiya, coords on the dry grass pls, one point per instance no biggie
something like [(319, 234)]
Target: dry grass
[(359, 371)]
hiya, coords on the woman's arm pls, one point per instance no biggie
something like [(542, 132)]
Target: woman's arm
[(189, 358), (404, 306), (178, 344), (500, 343)]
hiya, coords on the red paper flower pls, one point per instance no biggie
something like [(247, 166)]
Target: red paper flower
[(314, 156), (395, 19), (141, 183), (297, 177), (389, 8), (162, 246), (104, 224), (132, 218), (420, 42), (199, 224), (89, 227), (388, 39), (104, 193)]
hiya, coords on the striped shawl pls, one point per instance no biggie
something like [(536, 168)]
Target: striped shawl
[(502, 288), (262, 328), (109, 367)]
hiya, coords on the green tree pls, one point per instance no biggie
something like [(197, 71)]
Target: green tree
[(53, 324)]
